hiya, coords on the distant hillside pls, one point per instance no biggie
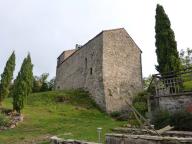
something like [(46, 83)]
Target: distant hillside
[(67, 114)]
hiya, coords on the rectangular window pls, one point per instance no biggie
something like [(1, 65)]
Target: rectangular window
[(91, 71), (85, 63)]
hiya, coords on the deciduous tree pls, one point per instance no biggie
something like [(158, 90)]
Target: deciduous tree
[(186, 58)]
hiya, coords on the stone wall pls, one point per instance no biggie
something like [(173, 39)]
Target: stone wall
[(145, 139), (122, 72), (64, 56), (175, 103), (83, 69)]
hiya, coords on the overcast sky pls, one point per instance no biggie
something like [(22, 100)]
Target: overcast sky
[(45, 28)]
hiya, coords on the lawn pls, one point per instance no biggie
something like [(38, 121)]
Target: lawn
[(67, 114), (187, 86)]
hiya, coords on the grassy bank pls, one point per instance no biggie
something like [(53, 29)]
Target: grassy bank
[(67, 114)]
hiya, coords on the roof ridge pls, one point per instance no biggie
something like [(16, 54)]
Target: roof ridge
[(113, 29)]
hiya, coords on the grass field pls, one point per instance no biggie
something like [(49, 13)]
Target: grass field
[(67, 114)]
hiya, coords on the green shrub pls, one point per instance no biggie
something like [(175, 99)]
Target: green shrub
[(4, 121), (140, 102), (161, 118), (133, 122), (182, 120), (120, 115), (115, 114), (141, 107)]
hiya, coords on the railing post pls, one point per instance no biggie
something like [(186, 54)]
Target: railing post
[(156, 85)]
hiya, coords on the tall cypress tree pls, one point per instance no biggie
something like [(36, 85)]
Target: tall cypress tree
[(166, 46), (29, 75), (7, 77), (23, 84)]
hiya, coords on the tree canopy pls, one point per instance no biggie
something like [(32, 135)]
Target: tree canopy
[(6, 77), (22, 84), (166, 46)]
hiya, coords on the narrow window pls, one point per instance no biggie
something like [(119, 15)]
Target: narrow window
[(85, 63), (91, 71)]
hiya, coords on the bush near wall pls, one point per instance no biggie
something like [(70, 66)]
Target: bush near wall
[(140, 102), (181, 120), (161, 118)]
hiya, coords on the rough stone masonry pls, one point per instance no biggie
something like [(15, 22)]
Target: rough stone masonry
[(108, 66)]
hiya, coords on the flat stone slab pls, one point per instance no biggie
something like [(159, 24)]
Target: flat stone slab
[(113, 138), (137, 131), (179, 133), (56, 140)]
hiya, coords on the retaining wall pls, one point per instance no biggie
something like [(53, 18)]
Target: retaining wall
[(173, 103), (144, 139)]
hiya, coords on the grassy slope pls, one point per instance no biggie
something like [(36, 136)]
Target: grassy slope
[(187, 86), (76, 118)]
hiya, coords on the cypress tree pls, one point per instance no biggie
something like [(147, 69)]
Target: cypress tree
[(7, 77), (166, 46), (29, 76), (22, 85)]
